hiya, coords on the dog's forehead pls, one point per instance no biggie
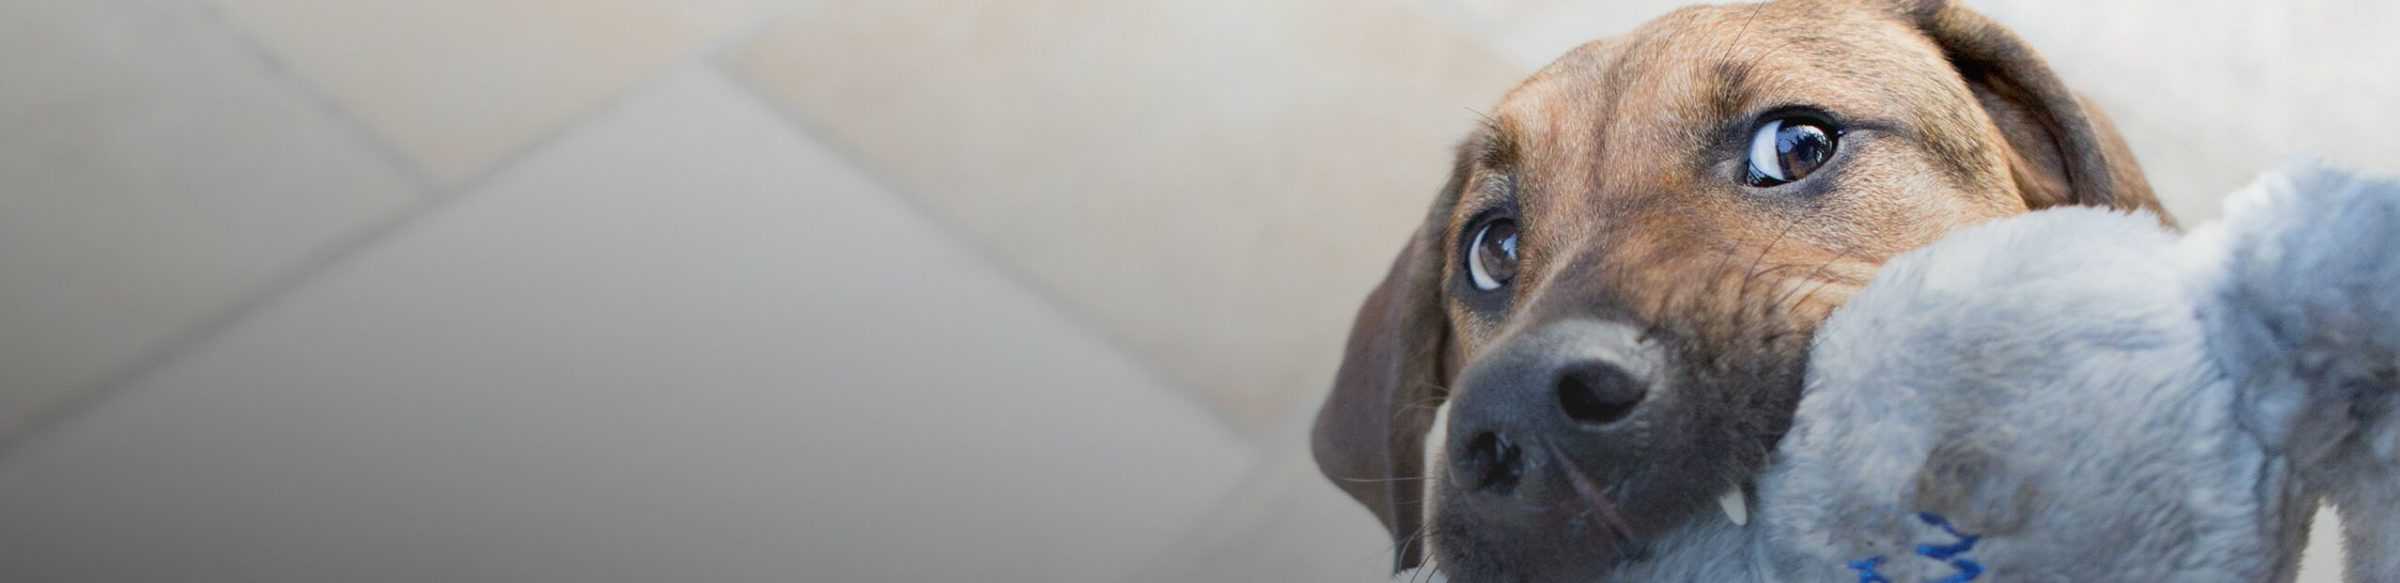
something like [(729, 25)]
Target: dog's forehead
[(1614, 147), (1628, 111), (1835, 54)]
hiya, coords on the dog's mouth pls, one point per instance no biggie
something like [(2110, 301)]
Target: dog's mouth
[(1593, 499), (1592, 529)]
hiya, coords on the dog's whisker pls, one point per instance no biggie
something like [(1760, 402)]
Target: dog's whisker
[(1789, 224), (1489, 123), (1415, 405), (1417, 540), (1390, 480), (1814, 275), (1596, 501), (1744, 32), (1414, 538), (1762, 57), (1433, 401), (1435, 390), (1403, 542), (1810, 293), (1724, 264), (1769, 273)]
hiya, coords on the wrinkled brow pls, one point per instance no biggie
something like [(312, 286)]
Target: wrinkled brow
[(1730, 87), (1493, 145), (1485, 173)]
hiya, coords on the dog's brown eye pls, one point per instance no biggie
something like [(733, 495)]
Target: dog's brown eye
[(1788, 149), (1492, 258)]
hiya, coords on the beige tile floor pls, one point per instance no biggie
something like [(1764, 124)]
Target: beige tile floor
[(1196, 175), (155, 170), (757, 290)]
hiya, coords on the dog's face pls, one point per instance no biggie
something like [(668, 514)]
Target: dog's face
[(1614, 294)]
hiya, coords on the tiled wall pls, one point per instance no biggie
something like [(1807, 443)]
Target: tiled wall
[(1040, 290)]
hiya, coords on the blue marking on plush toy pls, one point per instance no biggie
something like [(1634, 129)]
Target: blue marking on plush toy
[(1866, 570), (1967, 570), (1966, 542)]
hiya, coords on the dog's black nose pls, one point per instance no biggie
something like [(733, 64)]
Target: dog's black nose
[(1598, 392), (1490, 463), (1563, 390)]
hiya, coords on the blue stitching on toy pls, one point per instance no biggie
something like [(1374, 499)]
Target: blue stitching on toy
[(1968, 570), (1966, 542), (1942, 523), (1866, 570)]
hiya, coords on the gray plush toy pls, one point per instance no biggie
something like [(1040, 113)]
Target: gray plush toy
[(2081, 395)]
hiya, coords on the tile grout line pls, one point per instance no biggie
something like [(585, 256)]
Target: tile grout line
[(1259, 451), (1113, 341), (431, 196), (426, 193)]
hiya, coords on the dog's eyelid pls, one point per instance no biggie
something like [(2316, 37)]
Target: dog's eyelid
[(1490, 195), (1478, 218), (1788, 110)]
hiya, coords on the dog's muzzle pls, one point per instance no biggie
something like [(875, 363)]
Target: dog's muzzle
[(1569, 391), (1555, 448)]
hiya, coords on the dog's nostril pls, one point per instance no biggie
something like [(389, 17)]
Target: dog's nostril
[(1492, 464), (1598, 393)]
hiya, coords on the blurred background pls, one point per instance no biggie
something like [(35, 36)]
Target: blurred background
[(730, 290)]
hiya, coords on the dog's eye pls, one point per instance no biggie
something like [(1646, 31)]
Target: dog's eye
[(1492, 258), (1788, 149)]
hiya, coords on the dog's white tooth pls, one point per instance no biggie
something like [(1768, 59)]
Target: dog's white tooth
[(1736, 508)]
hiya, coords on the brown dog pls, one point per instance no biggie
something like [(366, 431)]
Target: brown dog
[(1613, 296)]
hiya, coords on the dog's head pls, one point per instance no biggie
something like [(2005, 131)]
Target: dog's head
[(1613, 295)]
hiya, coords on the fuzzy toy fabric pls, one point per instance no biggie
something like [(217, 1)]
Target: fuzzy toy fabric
[(2081, 395), (2086, 397)]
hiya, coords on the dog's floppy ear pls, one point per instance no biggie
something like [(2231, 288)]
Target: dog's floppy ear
[(2061, 149), (1370, 434)]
